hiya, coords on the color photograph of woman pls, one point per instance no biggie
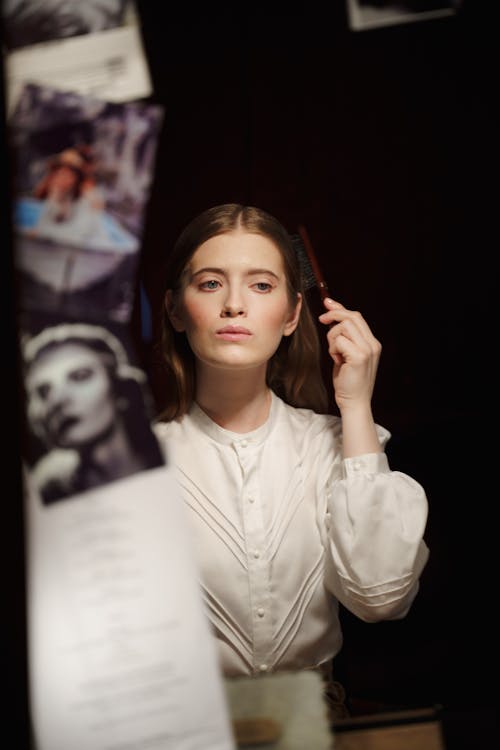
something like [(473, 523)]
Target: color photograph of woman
[(83, 170)]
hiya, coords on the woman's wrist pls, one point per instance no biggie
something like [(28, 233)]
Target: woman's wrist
[(359, 431)]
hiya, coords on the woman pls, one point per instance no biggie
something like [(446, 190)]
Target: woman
[(293, 509), (69, 204), (85, 404)]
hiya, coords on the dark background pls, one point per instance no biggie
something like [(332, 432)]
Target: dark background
[(383, 144)]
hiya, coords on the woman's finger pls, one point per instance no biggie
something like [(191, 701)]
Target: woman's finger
[(337, 313)]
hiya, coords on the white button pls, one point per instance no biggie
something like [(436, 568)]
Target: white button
[(356, 465), (263, 667), (244, 443), (256, 553), (261, 612), (251, 499)]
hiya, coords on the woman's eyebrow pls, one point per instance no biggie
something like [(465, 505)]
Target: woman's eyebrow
[(208, 269), (222, 272), (258, 271)]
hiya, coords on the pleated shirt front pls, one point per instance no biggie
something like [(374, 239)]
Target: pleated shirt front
[(284, 528)]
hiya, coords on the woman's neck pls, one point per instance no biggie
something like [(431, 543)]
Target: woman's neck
[(235, 401)]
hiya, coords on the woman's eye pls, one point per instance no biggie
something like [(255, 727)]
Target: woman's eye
[(263, 286), (43, 391), (210, 285), (81, 374)]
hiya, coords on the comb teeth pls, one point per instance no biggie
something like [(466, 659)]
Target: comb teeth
[(320, 281), (306, 270)]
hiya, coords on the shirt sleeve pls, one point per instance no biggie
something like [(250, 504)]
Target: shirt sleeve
[(375, 523)]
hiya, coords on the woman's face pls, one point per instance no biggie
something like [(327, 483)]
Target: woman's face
[(63, 179), (69, 396), (234, 305)]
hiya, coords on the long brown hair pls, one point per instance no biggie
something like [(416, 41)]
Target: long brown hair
[(294, 370)]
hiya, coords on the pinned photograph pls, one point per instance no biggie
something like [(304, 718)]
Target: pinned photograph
[(87, 408), (83, 170), (37, 21), (94, 48), (373, 14)]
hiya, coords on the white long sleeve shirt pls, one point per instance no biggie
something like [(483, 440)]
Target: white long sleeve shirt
[(285, 528)]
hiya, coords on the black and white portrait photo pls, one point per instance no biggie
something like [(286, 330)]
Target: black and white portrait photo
[(87, 409)]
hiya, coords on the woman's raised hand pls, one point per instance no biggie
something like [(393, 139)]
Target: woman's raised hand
[(355, 352)]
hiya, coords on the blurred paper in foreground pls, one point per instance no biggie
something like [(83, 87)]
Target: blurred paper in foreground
[(120, 653)]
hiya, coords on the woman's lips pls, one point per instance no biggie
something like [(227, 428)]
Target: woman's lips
[(61, 424), (233, 333)]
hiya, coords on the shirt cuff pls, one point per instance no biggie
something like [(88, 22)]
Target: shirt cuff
[(367, 464)]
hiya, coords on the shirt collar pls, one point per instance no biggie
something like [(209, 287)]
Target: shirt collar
[(227, 437)]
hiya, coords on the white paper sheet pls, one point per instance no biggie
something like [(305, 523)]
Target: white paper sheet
[(108, 65), (120, 653)]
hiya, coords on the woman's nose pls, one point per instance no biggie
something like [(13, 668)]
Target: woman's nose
[(231, 312), (56, 396), (233, 305)]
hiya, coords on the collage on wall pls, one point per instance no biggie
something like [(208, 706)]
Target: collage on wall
[(82, 169)]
